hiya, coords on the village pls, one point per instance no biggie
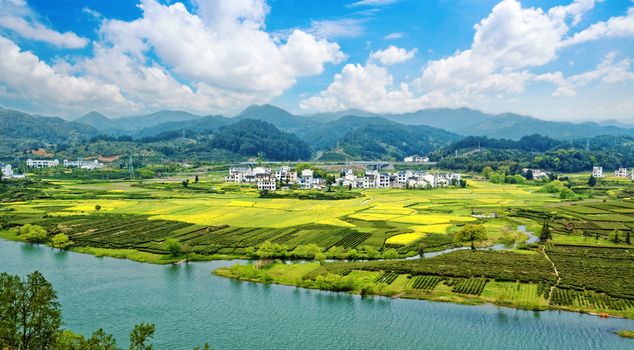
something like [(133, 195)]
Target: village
[(286, 176)]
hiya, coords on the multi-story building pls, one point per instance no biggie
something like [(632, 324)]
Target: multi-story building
[(42, 163), (83, 164), (7, 171), (597, 171), (621, 172), (286, 175)]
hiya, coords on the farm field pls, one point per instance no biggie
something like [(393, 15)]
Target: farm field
[(522, 280), (232, 219)]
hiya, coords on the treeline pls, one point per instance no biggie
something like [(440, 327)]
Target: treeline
[(536, 151)]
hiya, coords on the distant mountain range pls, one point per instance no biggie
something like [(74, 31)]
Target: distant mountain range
[(351, 134)]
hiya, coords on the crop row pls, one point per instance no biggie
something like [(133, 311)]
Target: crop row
[(387, 278), (473, 286), (424, 282), (591, 300)]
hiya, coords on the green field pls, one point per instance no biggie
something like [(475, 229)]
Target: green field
[(209, 219), (216, 218)]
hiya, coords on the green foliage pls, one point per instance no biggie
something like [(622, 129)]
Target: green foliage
[(592, 181), (470, 233), (173, 246), (61, 241), (30, 314), (141, 335), (554, 186), (32, 233), (545, 233), (567, 194), (390, 253)]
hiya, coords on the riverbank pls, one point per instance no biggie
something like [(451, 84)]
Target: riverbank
[(461, 283)]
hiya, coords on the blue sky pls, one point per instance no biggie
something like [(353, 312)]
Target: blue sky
[(556, 60)]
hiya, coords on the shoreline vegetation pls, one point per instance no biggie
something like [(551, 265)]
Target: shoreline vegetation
[(365, 245), (517, 279)]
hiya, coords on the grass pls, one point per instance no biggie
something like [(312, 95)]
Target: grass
[(626, 334)]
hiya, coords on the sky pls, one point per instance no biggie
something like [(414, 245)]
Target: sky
[(555, 60)]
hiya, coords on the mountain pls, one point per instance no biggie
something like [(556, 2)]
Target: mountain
[(249, 137), (208, 123), (19, 128), (130, 125), (514, 126), (278, 117), (99, 122), (443, 118), (618, 124), (353, 137), (330, 116)]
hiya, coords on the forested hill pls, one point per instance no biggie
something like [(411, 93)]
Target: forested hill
[(536, 151), (18, 128)]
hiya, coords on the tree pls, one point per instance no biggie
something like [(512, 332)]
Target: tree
[(30, 315), (529, 175), (186, 183), (390, 254), (32, 233), (173, 246), (196, 179), (567, 194), (100, 340), (463, 183), (97, 207), (470, 233), (592, 181), (141, 334), (615, 236), (628, 240), (61, 241), (545, 233)]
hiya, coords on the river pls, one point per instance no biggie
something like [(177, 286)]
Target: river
[(189, 306)]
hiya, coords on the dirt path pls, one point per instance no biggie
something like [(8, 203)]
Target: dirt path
[(552, 288)]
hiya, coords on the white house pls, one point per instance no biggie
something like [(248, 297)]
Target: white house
[(41, 163), (286, 175), (597, 171), (266, 184), (632, 174), (621, 172), (308, 173), (7, 171), (83, 164), (416, 159)]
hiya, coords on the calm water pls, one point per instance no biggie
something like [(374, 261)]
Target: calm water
[(189, 306)]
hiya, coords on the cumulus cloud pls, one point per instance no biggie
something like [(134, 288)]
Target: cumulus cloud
[(615, 27), (17, 17), (22, 74), (367, 87), (392, 55), (216, 58), (507, 45)]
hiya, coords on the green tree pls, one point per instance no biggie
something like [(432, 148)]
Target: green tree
[(529, 175), (97, 207), (30, 315), (205, 347), (32, 233), (470, 233), (196, 179), (615, 236), (390, 254), (592, 181), (545, 233), (173, 246), (140, 335), (61, 241), (567, 194), (100, 340), (628, 240)]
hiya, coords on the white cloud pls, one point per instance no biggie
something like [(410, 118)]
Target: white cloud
[(37, 31), (393, 55), (393, 36), (607, 72), (217, 58), (372, 3), (341, 28), (507, 45), (24, 76), (370, 88), (615, 27)]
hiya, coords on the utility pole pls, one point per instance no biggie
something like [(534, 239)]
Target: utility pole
[(130, 168)]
